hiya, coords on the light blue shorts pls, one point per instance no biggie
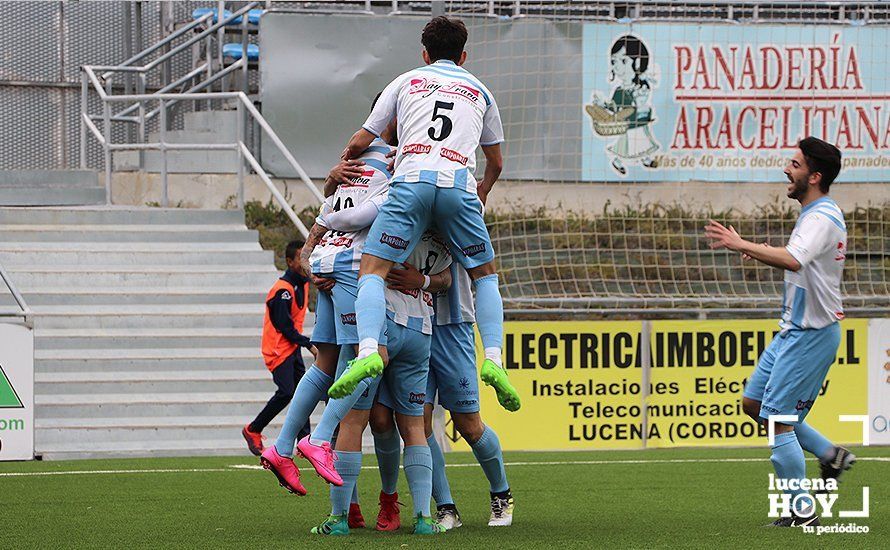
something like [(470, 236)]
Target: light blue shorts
[(337, 311), (790, 373), (453, 368), (405, 377), (410, 209), (325, 330)]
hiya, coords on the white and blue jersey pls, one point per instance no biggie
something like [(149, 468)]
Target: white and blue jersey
[(340, 251), (443, 114), (456, 305), (790, 372), (812, 297), (413, 309)]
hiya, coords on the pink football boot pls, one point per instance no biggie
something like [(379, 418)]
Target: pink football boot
[(284, 469), (322, 459)]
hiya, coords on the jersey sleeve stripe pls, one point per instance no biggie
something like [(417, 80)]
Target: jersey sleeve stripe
[(372, 131), (831, 216), (378, 165), (377, 148)]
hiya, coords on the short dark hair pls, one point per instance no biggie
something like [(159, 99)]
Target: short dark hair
[(821, 157), (376, 97), (290, 252), (444, 38)]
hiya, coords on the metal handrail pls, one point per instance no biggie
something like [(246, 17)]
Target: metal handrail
[(245, 107), (24, 310)]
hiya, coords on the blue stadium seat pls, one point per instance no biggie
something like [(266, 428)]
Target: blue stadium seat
[(253, 16), (234, 51)]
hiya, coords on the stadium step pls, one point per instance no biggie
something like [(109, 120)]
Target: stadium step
[(163, 276), (193, 338), (50, 187), (147, 326), (256, 379)]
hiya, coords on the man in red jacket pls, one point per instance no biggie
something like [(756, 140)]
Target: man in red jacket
[(283, 342)]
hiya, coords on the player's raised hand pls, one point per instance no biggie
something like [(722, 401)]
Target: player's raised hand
[(344, 170), (405, 279), (722, 237)]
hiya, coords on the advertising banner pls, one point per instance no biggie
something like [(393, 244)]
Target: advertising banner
[(584, 386), (729, 103), (16, 392)]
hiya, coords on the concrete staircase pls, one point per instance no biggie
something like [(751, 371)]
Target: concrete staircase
[(147, 327), (50, 188)]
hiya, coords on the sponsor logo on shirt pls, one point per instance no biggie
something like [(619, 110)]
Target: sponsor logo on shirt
[(286, 295), (413, 292), (453, 155), (428, 299), (347, 318), (395, 242), (841, 251), (337, 241), (416, 397), (428, 87), (416, 148), (474, 249), (360, 181)]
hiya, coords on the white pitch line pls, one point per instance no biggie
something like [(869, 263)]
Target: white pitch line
[(87, 472), (462, 465)]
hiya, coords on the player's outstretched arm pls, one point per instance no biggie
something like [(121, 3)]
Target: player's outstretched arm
[(411, 278), (494, 164), (728, 238), (351, 219), (360, 141)]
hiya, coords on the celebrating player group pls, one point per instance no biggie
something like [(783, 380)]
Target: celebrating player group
[(405, 267), (396, 252)]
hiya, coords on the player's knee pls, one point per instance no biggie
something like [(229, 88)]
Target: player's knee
[(381, 420), (469, 425), (411, 429), (751, 408), (482, 270)]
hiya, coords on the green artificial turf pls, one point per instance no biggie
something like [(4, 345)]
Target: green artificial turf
[(668, 499)]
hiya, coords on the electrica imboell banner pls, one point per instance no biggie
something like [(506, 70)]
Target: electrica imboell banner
[(584, 384)]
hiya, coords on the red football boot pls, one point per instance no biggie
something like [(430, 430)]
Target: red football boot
[(355, 519), (388, 519), (254, 441)]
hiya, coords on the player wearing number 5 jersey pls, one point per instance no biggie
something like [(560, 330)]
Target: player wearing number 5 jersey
[(444, 113)]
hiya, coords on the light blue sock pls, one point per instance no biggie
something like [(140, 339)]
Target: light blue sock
[(788, 460), (370, 308), (488, 453), (354, 494), (348, 465), (388, 449), (335, 411), (489, 311), (313, 387), (441, 488), (419, 471), (814, 442)]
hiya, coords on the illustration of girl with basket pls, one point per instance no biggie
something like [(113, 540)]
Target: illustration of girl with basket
[(628, 113)]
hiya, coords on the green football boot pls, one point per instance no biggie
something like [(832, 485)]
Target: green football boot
[(496, 377), (359, 369), (427, 526), (334, 525)]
